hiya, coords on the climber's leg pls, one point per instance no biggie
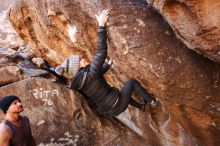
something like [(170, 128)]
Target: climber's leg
[(125, 97), (133, 85), (134, 103), (123, 101), (126, 92)]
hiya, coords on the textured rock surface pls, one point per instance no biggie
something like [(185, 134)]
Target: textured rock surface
[(14, 67), (5, 4), (144, 47), (8, 37), (196, 23)]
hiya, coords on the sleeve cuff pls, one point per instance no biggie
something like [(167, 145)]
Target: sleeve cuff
[(101, 27)]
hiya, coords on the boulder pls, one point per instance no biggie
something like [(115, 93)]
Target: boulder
[(196, 23), (15, 67)]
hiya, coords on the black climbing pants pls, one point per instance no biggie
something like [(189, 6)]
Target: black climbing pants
[(125, 97)]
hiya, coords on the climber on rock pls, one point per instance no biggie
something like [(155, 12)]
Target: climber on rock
[(15, 129), (89, 81)]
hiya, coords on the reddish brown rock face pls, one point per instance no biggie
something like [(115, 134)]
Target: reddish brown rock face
[(196, 23), (144, 47)]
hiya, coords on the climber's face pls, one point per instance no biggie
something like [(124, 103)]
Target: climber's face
[(15, 107), (83, 62)]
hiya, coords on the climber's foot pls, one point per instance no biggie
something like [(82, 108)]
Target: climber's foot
[(152, 103)]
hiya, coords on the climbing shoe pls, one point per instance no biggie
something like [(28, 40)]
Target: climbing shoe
[(153, 103)]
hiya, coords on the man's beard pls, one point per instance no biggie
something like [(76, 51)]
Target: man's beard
[(20, 109)]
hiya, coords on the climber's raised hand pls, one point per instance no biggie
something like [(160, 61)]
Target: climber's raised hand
[(102, 18)]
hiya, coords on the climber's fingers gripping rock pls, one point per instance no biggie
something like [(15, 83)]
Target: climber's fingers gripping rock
[(103, 17)]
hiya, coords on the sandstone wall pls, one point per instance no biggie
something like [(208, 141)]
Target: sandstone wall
[(196, 23), (144, 47)]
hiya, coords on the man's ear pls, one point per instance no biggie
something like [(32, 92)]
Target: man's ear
[(59, 70)]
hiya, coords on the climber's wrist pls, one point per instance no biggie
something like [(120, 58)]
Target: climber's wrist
[(102, 24)]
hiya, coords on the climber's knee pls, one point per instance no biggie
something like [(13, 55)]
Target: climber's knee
[(131, 81)]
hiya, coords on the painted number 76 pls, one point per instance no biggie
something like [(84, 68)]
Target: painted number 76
[(48, 102)]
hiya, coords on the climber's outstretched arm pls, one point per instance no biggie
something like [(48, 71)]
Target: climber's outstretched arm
[(101, 51)]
